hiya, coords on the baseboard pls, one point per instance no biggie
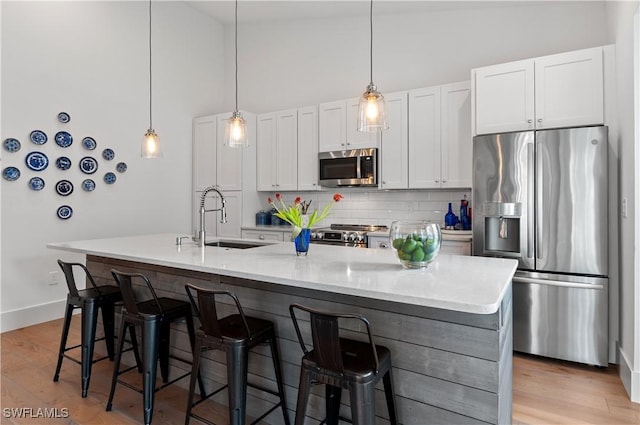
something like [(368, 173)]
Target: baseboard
[(630, 378), (33, 315)]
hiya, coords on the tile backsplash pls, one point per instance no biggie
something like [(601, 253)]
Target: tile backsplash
[(366, 206)]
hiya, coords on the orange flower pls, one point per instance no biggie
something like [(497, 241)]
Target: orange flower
[(298, 200), (270, 200), (337, 197), (278, 197)]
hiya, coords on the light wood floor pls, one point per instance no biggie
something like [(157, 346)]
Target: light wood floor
[(544, 391)]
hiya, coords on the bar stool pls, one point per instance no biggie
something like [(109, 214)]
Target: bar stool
[(88, 300), (155, 316), (342, 363), (235, 334)]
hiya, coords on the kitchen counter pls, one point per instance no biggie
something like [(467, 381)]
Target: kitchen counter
[(449, 327)]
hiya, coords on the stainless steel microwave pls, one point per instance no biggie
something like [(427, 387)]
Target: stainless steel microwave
[(356, 167)]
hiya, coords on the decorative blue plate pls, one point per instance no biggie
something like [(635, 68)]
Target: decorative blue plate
[(64, 212), (108, 154), (121, 167), (63, 117), (63, 139), (11, 174), (88, 165), (37, 161), (88, 185), (36, 183), (63, 163), (89, 143), (11, 145), (64, 188), (38, 137), (109, 178)]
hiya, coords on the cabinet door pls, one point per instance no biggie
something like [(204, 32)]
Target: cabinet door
[(332, 126), (266, 152), (569, 89), (287, 150), (504, 97), (456, 141), (230, 229), (394, 153), (228, 161), (359, 139), (424, 138), (308, 148), (204, 152), (455, 247), (378, 242), (263, 235)]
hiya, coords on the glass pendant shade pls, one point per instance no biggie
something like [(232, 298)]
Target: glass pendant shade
[(150, 145), (371, 111), (235, 133)]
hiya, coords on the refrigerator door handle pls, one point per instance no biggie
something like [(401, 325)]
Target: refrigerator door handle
[(530, 194), (517, 279)]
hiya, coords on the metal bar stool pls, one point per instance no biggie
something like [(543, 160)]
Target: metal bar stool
[(342, 363), (89, 300), (235, 334), (154, 316)]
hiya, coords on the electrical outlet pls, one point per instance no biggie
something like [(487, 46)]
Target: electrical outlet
[(624, 207), (54, 277)]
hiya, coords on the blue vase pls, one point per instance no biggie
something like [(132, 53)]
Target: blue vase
[(302, 242)]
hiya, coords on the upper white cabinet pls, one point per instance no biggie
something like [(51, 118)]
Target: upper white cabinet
[(277, 151), (440, 143), (394, 149), (308, 148), (562, 90), (214, 163), (337, 127)]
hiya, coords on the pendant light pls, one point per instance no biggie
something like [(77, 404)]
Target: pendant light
[(236, 132), (371, 113), (150, 144)]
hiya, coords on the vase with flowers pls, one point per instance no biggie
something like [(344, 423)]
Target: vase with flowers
[(297, 215)]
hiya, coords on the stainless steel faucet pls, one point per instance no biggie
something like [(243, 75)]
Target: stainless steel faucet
[(202, 234)]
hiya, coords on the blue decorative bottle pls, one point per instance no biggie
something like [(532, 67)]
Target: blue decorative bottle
[(450, 218)]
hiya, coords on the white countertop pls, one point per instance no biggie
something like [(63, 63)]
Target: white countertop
[(452, 282)]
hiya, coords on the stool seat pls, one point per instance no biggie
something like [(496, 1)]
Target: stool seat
[(357, 359)]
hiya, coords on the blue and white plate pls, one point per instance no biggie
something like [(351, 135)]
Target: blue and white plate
[(64, 188), (110, 178), (63, 163), (89, 143), (38, 137), (64, 212), (11, 173), (88, 185), (63, 117), (88, 165), (11, 145), (121, 167), (37, 161), (36, 183), (63, 139), (108, 154)]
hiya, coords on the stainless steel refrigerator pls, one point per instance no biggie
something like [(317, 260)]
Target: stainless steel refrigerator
[(541, 197)]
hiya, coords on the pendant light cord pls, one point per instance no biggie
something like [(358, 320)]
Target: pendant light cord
[(236, 46), (150, 92), (371, 41)]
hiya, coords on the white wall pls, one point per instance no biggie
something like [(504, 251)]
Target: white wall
[(90, 59), (297, 63), (621, 31)]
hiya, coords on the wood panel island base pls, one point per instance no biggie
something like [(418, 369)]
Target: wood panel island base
[(449, 327)]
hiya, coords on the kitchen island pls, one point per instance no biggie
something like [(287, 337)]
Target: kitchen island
[(449, 327)]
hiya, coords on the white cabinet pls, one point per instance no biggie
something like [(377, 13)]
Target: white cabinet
[(337, 127), (394, 144), (563, 90), (213, 227), (440, 143), (264, 235), (277, 151), (308, 148), (378, 242)]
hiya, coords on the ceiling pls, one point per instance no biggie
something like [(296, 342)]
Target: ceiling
[(272, 10)]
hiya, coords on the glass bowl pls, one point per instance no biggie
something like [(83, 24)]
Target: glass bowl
[(416, 243)]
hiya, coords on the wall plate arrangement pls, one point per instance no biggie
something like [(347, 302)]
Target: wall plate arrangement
[(64, 212), (88, 165), (64, 188), (121, 167), (63, 163), (63, 117), (11, 145), (108, 154), (36, 183), (38, 137), (37, 161), (11, 174), (110, 178), (89, 143), (63, 139)]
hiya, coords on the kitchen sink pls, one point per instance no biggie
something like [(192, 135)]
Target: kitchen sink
[(235, 244)]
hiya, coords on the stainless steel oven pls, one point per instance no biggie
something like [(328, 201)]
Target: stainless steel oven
[(354, 235), (356, 167)]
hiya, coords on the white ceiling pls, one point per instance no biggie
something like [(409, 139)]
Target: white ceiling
[(272, 10)]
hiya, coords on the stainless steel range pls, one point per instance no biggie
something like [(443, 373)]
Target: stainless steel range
[(354, 235)]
